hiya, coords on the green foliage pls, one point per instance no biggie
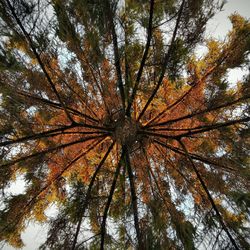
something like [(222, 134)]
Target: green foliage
[(109, 115), (241, 199), (185, 232)]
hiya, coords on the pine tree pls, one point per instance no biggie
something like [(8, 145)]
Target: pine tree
[(107, 113)]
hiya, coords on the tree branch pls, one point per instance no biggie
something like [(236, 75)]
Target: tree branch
[(134, 199), (116, 53), (158, 116), (39, 59), (145, 132), (209, 196), (201, 112), (38, 135), (165, 63), (51, 150), (34, 198), (202, 128), (56, 105), (139, 74), (195, 156), (90, 238), (111, 192), (206, 128), (88, 193)]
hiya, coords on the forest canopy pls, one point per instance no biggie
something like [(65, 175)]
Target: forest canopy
[(111, 117)]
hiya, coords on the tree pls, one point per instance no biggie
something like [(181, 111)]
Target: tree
[(109, 114)]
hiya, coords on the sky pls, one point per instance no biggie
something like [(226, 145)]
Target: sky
[(220, 24), (218, 28)]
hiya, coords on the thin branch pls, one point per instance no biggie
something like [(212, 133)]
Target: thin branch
[(165, 201), (90, 238), (111, 192), (165, 63), (85, 125), (56, 105), (116, 52), (202, 128), (145, 132), (83, 132), (79, 96), (201, 112), (102, 92), (209, 196), (195, 156), (134, 199), (100, 89), (172, 165), (158, 116), (49, 150), (88, 193), (194, 84), (166, 21), (39, 59), (139, 74), (53, 104), (38, 135), (155, 180), (216, 239), (207, 128), (34, 198)]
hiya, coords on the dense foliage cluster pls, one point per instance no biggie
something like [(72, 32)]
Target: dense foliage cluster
[(108, 114)]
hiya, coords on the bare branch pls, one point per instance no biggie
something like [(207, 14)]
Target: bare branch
[(56, 105), (202, 128), (139, 74), (209, 197), (116, 52), (134, 199), (49, 150), (111, 192), (44, 134), (88, 193), (165, 63), (34, 198), (196, 157), (39, 59), (201, 112)]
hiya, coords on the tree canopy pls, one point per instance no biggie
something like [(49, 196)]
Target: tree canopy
[(109, 114)]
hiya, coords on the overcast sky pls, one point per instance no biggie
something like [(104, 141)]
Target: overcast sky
[(218, 27)]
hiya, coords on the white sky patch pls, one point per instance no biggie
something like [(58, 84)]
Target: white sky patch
[(64, 57), (31, 110), (219, 26), (236, 75), (33, 237), (17, 187), (51, 211), (34, 231), (201, 51)]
